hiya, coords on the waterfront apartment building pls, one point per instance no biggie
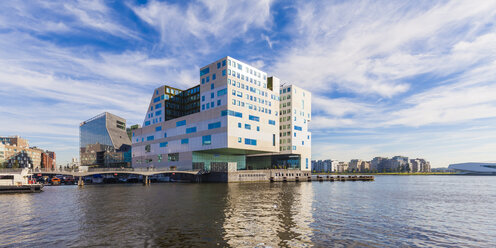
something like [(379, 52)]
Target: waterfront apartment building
[(16, 153), (234, 115), (104, 142), (322, 166)]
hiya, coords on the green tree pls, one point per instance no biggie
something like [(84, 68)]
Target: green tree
[(16, 164)]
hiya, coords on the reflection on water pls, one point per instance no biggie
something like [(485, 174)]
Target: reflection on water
[(271, 215), (389, 212)]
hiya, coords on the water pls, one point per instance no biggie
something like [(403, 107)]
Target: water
[(393, 211)]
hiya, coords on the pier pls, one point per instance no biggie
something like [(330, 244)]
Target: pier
[(321, 178)]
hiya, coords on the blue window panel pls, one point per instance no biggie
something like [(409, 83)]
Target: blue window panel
[(156, 99), (180, 123), (231, 113), (223, 62), (147, 123), (165, 135), (212, 95), (254, 118), (222, 92), (159, 105), (239, 124), (214, 125), (294, 148), (258, 128), (151, 108), (297, 128), (251, 142), (206, 140), (208, 79), (156, 92), (203, 106), (208, 106), (294, 134), (272, 122), (213, 76), (203, 80), (137, 140), (158, 113), (212, 85), (191, 130), (224, 72), (306, 161), (204, 71), (212, 104), (218, 65), (150, 138), (303, 143), (218, 102), (184, 141), (248, 126), (240, 66), (159, 128), (163, 144), (203, 98), (239, 140)]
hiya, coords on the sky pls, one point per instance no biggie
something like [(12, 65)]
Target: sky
[(411, 78)]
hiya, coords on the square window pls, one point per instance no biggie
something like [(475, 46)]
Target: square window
[(206, 140)]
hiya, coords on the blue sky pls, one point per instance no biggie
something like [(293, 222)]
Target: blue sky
[(412, 78)]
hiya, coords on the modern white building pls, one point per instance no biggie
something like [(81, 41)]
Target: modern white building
[(234, 115), (474, 168)]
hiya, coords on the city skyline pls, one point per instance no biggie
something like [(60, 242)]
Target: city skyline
[(413, 79)]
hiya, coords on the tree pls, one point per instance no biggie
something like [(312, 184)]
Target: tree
[(16, 164)]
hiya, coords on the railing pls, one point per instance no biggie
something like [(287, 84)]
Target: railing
[(93, 170), (11, 170)]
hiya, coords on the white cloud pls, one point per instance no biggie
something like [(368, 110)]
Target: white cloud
[(209, 25), (372, 48)]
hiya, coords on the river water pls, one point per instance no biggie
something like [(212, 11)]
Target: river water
[(392, 211)]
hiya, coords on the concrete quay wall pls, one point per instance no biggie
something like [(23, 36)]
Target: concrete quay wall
[(276, 175)]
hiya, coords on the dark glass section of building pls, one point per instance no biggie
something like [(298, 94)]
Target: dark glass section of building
[(184, 103), (283, 161)]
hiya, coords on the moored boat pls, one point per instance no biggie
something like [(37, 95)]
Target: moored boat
[(18, 182)]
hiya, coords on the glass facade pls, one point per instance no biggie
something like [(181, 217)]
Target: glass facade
[(95, 131), (104, 142)]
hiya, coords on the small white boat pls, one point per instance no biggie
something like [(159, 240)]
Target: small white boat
[(18, 182)]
